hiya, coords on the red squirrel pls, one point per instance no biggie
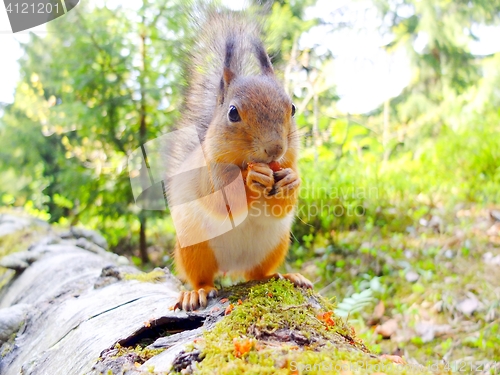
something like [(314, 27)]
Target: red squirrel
[(245, 119)]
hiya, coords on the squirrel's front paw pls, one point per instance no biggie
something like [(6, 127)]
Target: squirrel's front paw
[(260, 178), (194, 299), (287, 182)]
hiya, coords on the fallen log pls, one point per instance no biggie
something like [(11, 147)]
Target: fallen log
[(68, 306)]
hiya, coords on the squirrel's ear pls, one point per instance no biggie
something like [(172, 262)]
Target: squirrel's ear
[(227, 75), (263, 57)]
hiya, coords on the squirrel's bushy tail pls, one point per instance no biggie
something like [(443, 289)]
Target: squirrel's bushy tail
[(218, 31)]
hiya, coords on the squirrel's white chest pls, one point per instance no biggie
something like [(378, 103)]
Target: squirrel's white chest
[(247, 245)]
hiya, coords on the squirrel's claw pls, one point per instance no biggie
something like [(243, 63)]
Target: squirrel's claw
[(287, 181), (260, 177), (194, 299), (296, 278)]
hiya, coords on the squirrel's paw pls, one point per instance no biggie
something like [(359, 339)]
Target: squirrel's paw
[(260, 178), (297, 279), (194, 299), (287, 182)]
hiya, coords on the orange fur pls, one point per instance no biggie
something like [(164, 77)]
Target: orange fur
[(197, 264), (271, 263), (244, 120)]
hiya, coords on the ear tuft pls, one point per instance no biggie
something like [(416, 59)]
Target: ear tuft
[(228, 74), (264, 60)]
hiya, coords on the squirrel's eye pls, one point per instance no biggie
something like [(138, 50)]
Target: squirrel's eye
[(233, 114), (293, 110)]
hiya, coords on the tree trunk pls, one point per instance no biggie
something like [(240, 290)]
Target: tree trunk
[(143, 129), (69, 307), (143, 246)]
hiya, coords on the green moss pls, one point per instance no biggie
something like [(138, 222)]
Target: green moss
[(143, 353), (10, 344), (255, 338), (14, 242), (5, 276), (19, 240), (155, 276), (279, 305)]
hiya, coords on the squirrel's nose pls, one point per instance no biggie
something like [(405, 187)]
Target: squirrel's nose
[(274, 150)]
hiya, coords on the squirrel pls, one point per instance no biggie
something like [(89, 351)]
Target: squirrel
[(245, 126)]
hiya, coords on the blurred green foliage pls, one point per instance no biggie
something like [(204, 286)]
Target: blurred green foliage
[(105, 80)]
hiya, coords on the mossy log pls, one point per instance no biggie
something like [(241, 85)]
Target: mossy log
[(68, 307)]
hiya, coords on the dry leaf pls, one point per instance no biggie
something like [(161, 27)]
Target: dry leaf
[(411, 276), (468, 306), (393, 358), (495, 215), (387, 329), (242, 346), (229, 308), (427, 331), (490, 259), (379, 311), (494, 230), (326, 318)]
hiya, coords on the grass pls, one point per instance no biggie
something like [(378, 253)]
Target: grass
[(448, 261)]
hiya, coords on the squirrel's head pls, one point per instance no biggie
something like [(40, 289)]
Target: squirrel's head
[(253, 121)]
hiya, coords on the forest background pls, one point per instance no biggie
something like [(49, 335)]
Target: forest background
[(398, 215)]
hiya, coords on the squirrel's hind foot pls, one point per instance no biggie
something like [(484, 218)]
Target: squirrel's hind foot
[(296, 278), (194, 299)]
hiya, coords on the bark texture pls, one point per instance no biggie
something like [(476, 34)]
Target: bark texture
[(69, 307)]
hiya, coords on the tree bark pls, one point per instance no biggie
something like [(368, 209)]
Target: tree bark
[(143, 246), (143, 127), (67, 300), (69, 307)]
